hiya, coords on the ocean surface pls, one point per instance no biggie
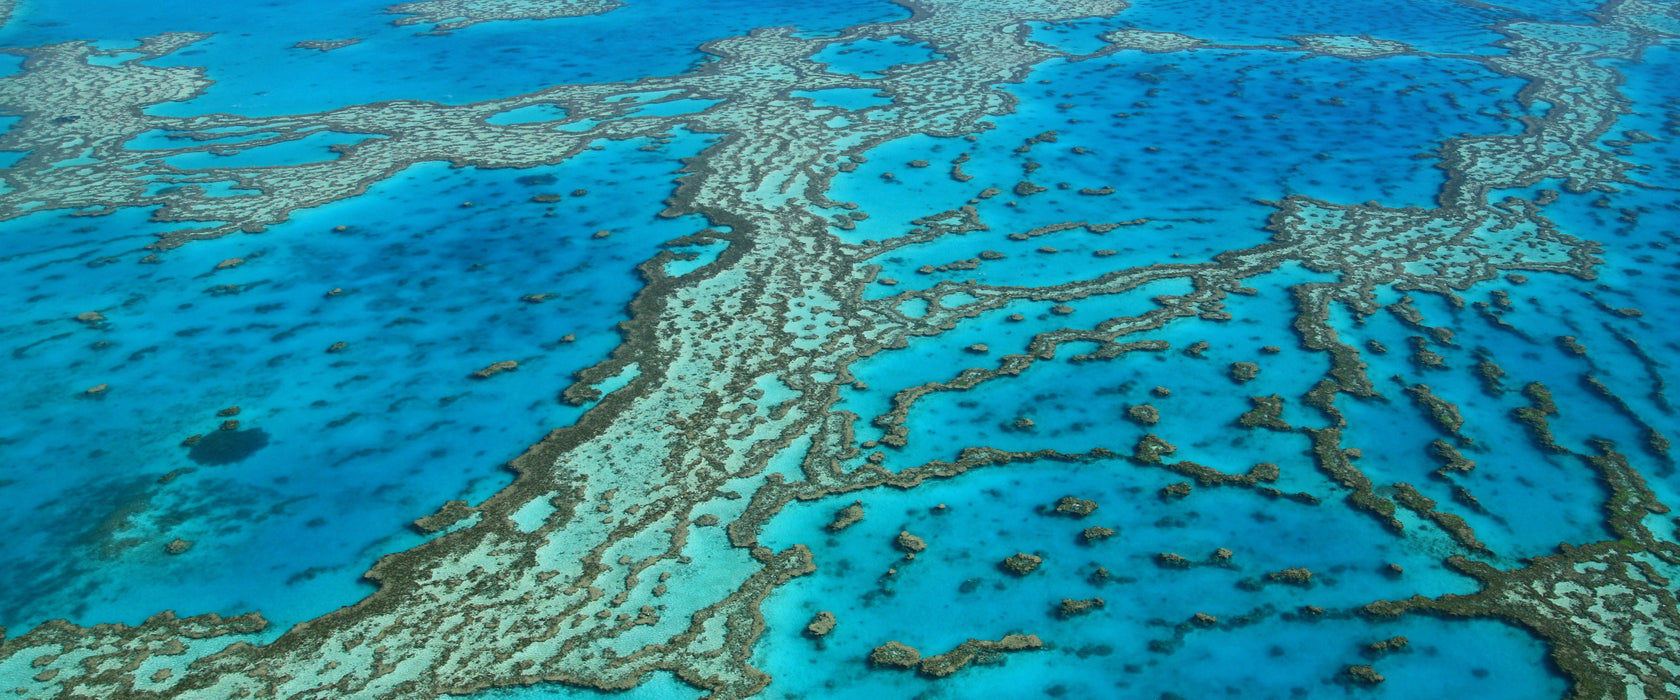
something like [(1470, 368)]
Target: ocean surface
[(628, 203)]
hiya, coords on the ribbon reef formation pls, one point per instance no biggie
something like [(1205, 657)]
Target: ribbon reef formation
[(1078, 347)]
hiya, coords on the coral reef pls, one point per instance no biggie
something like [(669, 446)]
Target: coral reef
[(846, 517), (1075, 506), (1299, 576), (909, 543), (895, 655), (474, 607), (495, 368), (449, 15), (823, 623), (1021, 563), (1070, 607), (1096, 532), (979, 651)]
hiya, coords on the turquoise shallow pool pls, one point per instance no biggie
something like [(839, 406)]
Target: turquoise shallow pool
[(653, 349)]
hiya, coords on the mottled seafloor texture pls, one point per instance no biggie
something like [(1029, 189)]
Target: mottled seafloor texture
[(922, 348)]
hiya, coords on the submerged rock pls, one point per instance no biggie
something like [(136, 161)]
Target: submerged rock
[(1092, 534), (821, 624), (1365, 674), (495, 369), (846, 517), (1178, 489), (227, 446), (1298, 575), (1244, 371), (976, 651), (1151, 448), (1395, 643), (1172, 560), (1021, 563), (1071, 607), (895, 654), (1075, 506)]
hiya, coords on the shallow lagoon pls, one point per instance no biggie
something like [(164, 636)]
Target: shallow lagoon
[(428, 297)]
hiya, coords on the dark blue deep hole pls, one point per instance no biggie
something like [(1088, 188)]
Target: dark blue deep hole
[(228, 446)]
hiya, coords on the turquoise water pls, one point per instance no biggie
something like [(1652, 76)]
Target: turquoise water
[(252, 422), (252, 43), (1431, 25), (954, 591), (313, 148), (1114, 110), (428, 298), (866, 58)]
